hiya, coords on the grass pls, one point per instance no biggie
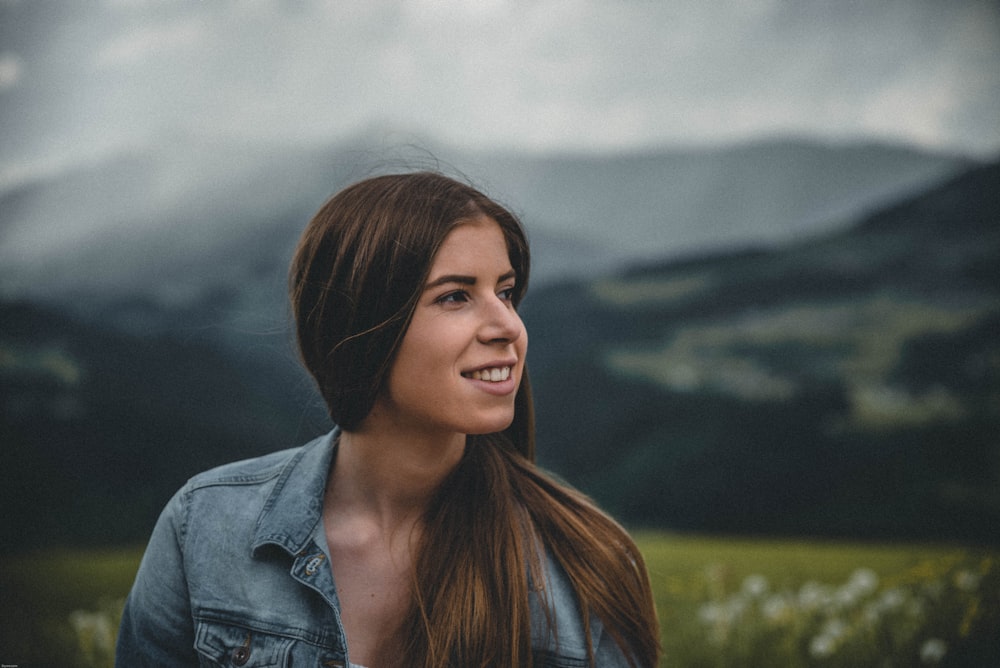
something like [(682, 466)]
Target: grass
[(41, 590), (690, 572)]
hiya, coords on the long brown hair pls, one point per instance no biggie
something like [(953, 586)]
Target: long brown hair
[(354, 281)]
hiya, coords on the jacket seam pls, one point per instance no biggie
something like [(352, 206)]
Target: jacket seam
[(211, 616)]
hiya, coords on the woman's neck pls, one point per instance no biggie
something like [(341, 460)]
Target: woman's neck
[(388, 476)]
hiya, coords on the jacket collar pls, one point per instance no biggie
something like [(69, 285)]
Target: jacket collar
[(295, 505)]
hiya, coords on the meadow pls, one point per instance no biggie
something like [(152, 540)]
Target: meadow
[(790, 603), (722, 602)]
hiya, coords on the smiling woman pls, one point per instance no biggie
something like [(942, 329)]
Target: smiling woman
[(418, 532), (465, 341)]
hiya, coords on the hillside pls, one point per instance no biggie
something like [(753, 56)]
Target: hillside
[(843, 386), (99, 428), (171, 223)]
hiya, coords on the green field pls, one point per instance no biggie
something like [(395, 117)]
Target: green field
[(722, 602), (740, 602)]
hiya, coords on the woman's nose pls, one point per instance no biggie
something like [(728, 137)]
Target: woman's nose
[(501, 323)]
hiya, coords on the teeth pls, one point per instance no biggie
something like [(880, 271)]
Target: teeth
[(494, 375)]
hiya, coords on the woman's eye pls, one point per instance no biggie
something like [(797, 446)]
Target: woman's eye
[(507, 294), (454, 297)]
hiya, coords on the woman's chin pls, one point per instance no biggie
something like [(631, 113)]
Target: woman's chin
[(491, 426)]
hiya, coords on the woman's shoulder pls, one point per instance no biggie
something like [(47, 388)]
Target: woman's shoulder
[(239, 492), (258, 469), (253, 500), (245, 471)]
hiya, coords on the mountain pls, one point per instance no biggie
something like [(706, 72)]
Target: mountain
[(656, 205), (802, 386), (193, 238), (99, 428), (843, 385), (172, 222)]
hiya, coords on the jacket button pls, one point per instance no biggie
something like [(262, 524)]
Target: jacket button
[(241, 655), (313, 565)]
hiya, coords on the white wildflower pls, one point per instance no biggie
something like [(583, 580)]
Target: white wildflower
[(755, 586), (813, 595), (933, 650), (712, 613), (835, 628), (967, 580), (719, 616), (776, 608), (95, 632), (845, 597), (822, 646), (94, 624), (892, 599), (863, 581)]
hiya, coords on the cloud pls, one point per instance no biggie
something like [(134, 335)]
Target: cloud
[(510, 74), (11, 70), (130, 48)]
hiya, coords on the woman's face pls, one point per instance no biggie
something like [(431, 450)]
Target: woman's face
[(462, 357)]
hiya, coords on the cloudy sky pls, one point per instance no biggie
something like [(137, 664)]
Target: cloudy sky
[(81, 79)]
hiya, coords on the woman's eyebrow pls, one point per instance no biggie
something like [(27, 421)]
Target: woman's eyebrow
[(451, 278), (465, 280)]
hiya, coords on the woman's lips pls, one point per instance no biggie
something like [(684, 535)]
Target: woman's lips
[(496, 380), (489, 374)]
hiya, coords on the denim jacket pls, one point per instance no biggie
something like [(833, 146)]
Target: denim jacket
[(234, 575)]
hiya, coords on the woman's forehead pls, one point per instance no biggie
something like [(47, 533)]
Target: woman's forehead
[(477, 242)]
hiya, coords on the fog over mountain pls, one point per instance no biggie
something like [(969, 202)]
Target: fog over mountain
[(843, 384), (173, 225), (156, 146), (81, 81)]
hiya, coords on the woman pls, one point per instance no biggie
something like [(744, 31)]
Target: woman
[(418, 532)]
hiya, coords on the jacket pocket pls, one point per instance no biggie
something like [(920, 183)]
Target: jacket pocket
[(222, 645)]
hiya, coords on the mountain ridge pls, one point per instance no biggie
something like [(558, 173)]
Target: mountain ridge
[(720, 383), (837, 386), (141, 216)]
